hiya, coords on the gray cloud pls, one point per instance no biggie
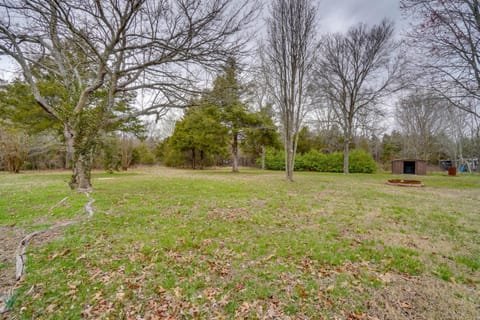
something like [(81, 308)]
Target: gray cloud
[(339, 15)]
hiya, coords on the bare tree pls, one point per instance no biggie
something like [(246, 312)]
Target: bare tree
[(462, 130), (126, 151), (13, 149), (354, 72), (86, 61), (447, 35), (422, 117), (287, 60)]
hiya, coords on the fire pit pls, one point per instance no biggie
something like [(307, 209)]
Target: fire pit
[(405, 183)]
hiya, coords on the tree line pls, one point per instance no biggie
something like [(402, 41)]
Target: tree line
[(91, 71)]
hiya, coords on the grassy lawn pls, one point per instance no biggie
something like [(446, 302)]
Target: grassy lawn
[(215, 245)]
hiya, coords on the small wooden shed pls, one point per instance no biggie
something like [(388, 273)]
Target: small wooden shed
[(409, 166)]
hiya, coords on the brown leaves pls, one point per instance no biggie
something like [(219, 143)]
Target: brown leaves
[(59, 254), (360, 316), (262, 309), (221, 268), (230, 214)]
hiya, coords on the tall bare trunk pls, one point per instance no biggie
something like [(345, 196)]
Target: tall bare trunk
[(235, 152), (69, 134), (346, 145), (346, 151), (193, 158), (263, 157), (289, 156)]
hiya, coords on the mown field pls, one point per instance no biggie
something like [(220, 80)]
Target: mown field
[(211, 244)]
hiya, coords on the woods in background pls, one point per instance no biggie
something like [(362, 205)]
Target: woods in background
[(87, 100)]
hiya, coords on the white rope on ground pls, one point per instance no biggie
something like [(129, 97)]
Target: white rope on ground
[(57, 205), (88, 206)]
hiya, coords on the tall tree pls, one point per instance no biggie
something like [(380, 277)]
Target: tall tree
[(262, 135), (422, 117), (287, 60), (102, 52), (200, 133), (447, 34), (234, 114), (126, 151), (354, 72), (13, 148), (391, 147)]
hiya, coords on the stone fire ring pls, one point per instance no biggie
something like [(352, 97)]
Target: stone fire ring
[(405, 183)]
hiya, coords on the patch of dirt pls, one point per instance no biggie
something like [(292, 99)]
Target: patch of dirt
[(424, 298), (230, 214), (425, 244), (10, 238), (258, 203)]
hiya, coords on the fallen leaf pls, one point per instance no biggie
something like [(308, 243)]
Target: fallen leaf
[(120, 296), (83, 256), (386, 278), (51, 308)]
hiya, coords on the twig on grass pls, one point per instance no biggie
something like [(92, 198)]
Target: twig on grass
[(57, 205)]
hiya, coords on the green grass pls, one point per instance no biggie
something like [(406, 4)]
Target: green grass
[(210, 243)]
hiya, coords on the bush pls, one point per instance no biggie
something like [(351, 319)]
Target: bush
[(310, 161), (274, 159), (360, 161), (174, 158), (145, 155)]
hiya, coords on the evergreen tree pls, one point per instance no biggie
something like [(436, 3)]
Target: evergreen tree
[(234, 114), (261, 136), (199, 133)]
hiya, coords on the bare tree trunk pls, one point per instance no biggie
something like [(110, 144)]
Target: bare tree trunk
[(346, 145), (263, 157), (346, 152), (193, 158), (235, 152), (290, 163), (69, 149), (289, 156)]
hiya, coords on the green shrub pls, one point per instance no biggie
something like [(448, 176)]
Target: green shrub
[(174, 158), (274, 159), (145, 155), (360, 161), (334, 162), (311, 161)]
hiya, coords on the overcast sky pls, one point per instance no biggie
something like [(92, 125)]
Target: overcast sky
[(339, 15)]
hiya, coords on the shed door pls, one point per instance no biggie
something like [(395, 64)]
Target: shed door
[(409, 167)]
